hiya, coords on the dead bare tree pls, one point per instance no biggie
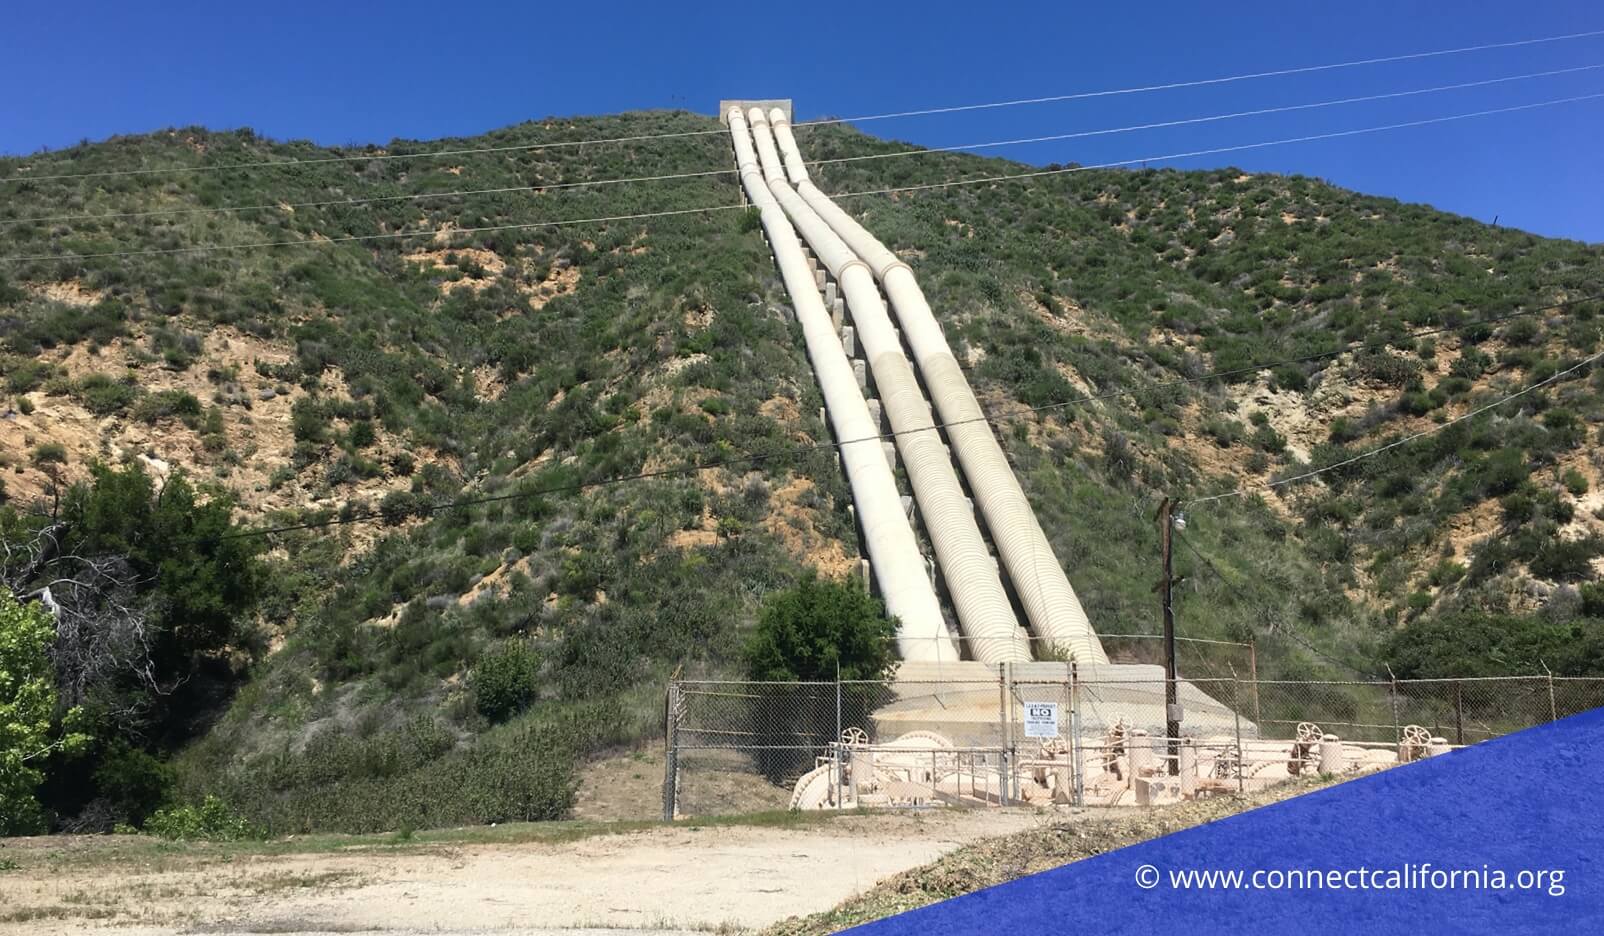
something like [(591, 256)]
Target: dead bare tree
[(104, 632)]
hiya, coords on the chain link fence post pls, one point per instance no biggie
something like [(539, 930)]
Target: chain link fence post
[(1241, 753), (1005, 722), (1553, 708), (1074, 735), (1253, 674), (1392, 696), (1459, 712), (671, 753)]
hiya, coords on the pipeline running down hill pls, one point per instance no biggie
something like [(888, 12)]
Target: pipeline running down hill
[(888, 536), (1033, 568), (985, 616)]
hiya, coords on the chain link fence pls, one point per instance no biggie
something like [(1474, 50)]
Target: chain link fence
[(968, 736)]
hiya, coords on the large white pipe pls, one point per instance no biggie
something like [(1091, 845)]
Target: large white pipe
[(1038, 577), (985, 615), (888, 536)]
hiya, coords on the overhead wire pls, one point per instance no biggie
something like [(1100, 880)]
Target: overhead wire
[(388, 235), (541, 187), (1281, 629), (1371, 453), (636, 138), (892, 190), (1194, 83), (802, 450), (1213, 118), (1212, 151)]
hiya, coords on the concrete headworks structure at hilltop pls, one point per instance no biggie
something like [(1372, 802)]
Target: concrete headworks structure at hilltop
[(775, 179)]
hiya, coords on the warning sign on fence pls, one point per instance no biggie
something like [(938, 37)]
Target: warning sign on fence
[(1041, 719)]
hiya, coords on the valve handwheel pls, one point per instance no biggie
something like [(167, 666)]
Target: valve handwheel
[(1228, 765), (854, 736)]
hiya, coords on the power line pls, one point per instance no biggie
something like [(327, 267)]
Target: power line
[(1401, 441), (369, 157), (901, 154), (636, 138), (413, 196), (1260, 112), (1284, 629), (358, 238), (1012, 177), (799, 451), (1175, 85)]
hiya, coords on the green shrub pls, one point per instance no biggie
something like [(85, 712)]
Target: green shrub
[(50, 453), (516, 773), (134, 782), (362, 434), (818, 629), (1446, 572), (506, 680), (1566, 560), (1593, 599), (1391, 369), (167, 404), (1575, 482), (308, 422), (102, 395), (212, 820), (398, 506), (26, 374), (1224, 432)]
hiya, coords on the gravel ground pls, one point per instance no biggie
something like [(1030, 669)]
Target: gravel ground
[(1066, 838), (685, 877)]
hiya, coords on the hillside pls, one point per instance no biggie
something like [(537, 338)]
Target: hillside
[(323, 381)]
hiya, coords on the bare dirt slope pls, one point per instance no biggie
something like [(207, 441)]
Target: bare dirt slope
[(680, 878)]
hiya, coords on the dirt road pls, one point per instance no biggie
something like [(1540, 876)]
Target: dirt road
[(667, 879)]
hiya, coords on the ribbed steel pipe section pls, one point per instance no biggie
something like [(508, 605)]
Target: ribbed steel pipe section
[(985, 616), (894, 556), (1038, 578)]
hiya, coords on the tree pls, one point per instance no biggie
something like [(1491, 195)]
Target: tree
[(201, 582), (148, 592), (27, 704), (803, 633)]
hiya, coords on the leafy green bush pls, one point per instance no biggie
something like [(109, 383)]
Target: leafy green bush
[(397, 506), (307, 421), (522, 772), (821, 629), (167, 404), (212, 820), (102, 395), (362, 435), (1593, 599), (506, 680), (135, 783), (27, 704), (50, 453)]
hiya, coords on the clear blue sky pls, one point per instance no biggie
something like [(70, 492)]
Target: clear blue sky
[(345, 72)]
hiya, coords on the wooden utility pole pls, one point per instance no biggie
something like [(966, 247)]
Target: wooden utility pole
[(1172, 708)]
